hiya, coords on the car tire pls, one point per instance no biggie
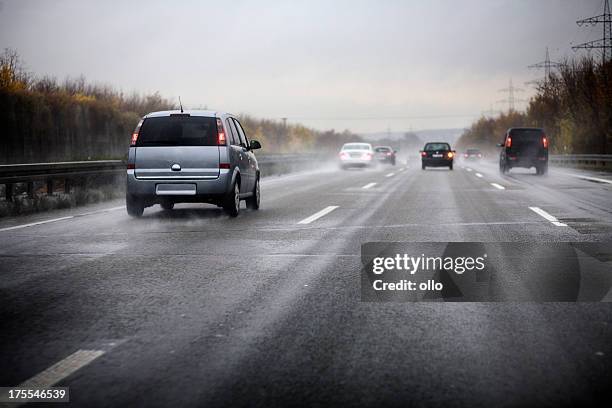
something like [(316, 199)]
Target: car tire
[(422, 166), (167, 205), (450, 166), (232, 201), (135, 206), (252, 202), (542, 170)]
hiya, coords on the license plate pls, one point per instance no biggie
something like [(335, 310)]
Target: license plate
[(437, 155), (175, 189)]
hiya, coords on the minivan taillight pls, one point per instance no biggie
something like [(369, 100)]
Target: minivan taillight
[(545, 142), (221, 139), (135, 134), (509, 141)]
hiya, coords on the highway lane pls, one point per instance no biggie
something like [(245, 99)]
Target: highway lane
[(196, 308)]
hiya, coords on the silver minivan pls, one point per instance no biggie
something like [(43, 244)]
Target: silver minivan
[(191, 156)]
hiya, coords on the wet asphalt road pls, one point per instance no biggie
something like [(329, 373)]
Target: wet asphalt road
[(193, 308)]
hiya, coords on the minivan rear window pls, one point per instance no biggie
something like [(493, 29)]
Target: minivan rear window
[(178, 131)]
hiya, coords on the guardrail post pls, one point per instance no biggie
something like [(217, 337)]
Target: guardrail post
[(8, 191), (49, 186)]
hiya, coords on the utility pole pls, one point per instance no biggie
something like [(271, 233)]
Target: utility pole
[(547, 64), (604, 44), (511, 100), (491, 112)]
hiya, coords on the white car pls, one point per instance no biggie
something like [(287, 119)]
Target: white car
[(356, 155)]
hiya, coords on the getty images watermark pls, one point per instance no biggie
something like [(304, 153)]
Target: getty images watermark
[(486, 272)]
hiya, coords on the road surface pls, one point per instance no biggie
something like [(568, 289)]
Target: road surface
[(194, 308)]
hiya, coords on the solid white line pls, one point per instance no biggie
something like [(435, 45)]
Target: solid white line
[(368, 185), (597, 179), (478, 175), (318, 215), (498, 186), (102, 211), (547, 216), (35, 223), (390, 175), (62, 369)]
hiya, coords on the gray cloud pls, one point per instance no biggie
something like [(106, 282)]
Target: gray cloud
[(311, 60)]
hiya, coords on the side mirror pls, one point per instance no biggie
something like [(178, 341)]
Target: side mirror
[(254, 145)]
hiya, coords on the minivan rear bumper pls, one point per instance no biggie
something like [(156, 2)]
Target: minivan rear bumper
[(206, 190)]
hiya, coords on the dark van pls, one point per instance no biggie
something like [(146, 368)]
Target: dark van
[(524, 147)]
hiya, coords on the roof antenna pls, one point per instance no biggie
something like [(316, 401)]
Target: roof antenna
[(181, 104)]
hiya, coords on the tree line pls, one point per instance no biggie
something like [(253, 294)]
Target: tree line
[(46, 120), (573, 105)]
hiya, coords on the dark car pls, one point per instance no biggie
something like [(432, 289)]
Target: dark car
[(385, 154), (472, 154), (437, 154), (524, 147)]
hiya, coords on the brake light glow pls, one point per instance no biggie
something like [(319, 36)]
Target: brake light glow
[(344, 155), (221, 140), (367, 156), (479, 155), (423, 154), (224, 165), (545, 142), (135, 134), (509, 141), (450, 155), (465, 155)]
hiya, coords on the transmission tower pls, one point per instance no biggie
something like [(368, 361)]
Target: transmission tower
[(511, 100), (547, 65), (604, 44)]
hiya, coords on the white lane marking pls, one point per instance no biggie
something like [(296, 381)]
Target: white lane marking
[(597, 179), (35, 223), (547, 216), (498, 186), (122, 207), (402, 169), (318, 215), (369, 185), (468, 169), (32, 224), (479, 175), (390, 175), (62, 369)]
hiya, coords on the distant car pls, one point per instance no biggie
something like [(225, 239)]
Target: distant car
[(385, 154), (524, 147), (356, 155), (437, 154), (191, 156), (472, 154)]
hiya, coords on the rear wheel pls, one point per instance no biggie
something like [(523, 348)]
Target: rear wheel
[(542, 170), (252, 202), (450, 166), (135, 206), (422, 166), (232, 201)]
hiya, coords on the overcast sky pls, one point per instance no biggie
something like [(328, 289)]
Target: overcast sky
[(362, 65)]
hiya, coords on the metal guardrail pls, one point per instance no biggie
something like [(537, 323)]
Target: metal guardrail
[(582, 160), (68, 171)]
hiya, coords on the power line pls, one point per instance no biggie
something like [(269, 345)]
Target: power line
[(511, 100), (547, 65), (604, 44)]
